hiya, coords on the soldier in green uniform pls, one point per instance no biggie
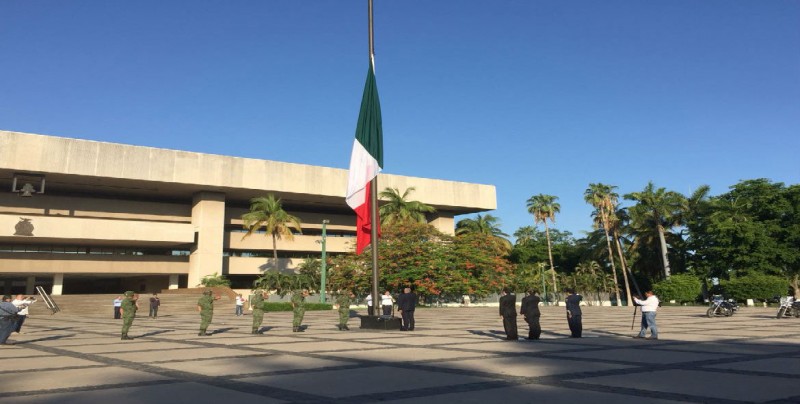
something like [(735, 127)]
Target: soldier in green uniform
[(206, 308), (299, 306), (128, 311), (258, 310), (344, 300)]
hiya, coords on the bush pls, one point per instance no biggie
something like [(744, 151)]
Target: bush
[(755, 286), (215, 280), (681, 288), (285, 306)]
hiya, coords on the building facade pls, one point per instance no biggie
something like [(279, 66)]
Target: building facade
[(81, 216)]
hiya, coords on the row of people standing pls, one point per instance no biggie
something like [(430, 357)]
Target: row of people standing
[(530, 309)]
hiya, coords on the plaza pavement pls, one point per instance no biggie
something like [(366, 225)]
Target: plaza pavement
[(456, 355)]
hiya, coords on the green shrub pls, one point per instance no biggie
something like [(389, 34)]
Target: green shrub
[(215, 280), (681, 288), (755, 286), (286, 306)]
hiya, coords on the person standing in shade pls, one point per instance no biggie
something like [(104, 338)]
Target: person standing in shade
[(530, 309), (240, 305), (206, 308), (257, 304), (299, 308), (343, 301), (407, 303), (574, 313), (128, 311), (370, 306), (8, 319), (649, 307), (508, 312), (155, 302), (387, 303), (117, 305)]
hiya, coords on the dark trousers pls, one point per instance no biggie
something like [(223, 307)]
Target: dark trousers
[(534, 329), (408, 320), (154, 312), (20, 320), (510, 325), (387, 310), (370, 311), (117, 314), (575, 325)]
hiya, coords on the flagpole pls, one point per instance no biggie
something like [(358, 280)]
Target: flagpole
[(373, 195)]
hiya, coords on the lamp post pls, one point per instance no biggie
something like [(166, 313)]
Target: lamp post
[(324, 265), (544, 285)]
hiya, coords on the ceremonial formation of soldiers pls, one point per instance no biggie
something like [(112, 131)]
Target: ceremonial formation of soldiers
[(126, 307)]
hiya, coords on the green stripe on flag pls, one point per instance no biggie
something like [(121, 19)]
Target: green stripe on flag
[(369, 130)]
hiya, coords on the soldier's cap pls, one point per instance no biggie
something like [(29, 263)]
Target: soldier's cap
[(129, 293), (207, 292)]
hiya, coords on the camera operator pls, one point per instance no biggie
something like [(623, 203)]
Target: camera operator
[(649, 307), (8, 319), (22, 304)]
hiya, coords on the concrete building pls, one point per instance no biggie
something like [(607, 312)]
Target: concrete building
[(81, 216)]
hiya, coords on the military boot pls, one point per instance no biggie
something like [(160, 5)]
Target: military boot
[(346, 328), (339, 326), (126, 337)]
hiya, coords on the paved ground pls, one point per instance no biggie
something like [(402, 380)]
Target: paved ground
[(456, 355)]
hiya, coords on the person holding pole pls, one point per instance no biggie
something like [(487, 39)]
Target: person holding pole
[(530, 309), (649, 308), (508, 312)]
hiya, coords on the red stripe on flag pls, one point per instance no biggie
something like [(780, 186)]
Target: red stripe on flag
[(364, 223)]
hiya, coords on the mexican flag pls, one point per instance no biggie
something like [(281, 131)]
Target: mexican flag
[(366, 160)]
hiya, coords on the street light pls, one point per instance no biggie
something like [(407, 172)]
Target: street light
[(324, 266), (544, 285)]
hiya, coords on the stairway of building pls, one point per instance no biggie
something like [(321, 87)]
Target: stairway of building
[(103, 304)]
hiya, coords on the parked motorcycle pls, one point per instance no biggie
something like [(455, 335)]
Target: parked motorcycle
[(789, 307), (721, 307)]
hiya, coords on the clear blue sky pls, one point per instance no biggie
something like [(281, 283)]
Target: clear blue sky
[(530, 96)]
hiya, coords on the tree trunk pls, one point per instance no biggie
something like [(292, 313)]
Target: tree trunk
[(275, 249), (624, 268), (611, 256), (664, 258), (550, 253)]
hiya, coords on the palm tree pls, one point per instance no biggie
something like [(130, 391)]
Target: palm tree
[(487, 225), (268, 212), (543, 208), (660, 209), (604, 199), (397, 209), (616, 220)]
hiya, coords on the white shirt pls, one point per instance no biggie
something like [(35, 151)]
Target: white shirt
[(386, 300), (649, 304), (239, 301), (23, 306), (369, 300)]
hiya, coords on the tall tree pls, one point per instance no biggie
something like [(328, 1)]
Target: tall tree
[(267, 212), (487, 225), (659, 209), (397, 209), (604, 200), (543, 208)]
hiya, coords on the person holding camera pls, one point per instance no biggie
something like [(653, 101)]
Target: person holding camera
[(22, 303), (649, 308)]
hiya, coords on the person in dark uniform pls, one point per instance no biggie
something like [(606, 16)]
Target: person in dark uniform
[(508, 312), (574, 313), (155, 302), (406, 303), (530, 309)]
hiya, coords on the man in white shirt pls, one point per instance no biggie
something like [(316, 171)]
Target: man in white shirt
[(22, 304), (649, 307)]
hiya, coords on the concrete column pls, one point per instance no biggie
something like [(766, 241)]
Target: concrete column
[(173, 281), (29, 285), (58, 284), (208, 219), (444, 223)]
